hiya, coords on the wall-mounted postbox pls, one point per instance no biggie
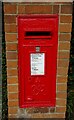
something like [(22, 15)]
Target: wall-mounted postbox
[(37, 60)]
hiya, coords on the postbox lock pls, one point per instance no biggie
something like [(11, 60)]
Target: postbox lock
[(37, 48)]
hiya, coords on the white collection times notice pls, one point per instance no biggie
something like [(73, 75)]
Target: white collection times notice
[(37, 63)]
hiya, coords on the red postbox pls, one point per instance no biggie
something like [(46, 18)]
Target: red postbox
[(37, 60)]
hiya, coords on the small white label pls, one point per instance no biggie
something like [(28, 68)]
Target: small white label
[(37, 63)]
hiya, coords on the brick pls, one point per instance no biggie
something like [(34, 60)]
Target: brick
[(64, 45), (12, 72), (12, 64), (63, 55), (63, 63), (11, 46), (62, 71), (61, 87), (61, 95), (61, 102), (65, 28), (63, 3), (12, 103), (12, 96), (66, 9), (37, 115), (11, 28), (55, 115), (11, 55), (11, 116), (21, 9), (61, 79), (65, 37), (66, 19), (12, 110), (10, 19), (11, 37), (42, 9), (52, 110), (10, 8), (55, 9), (37, 110), (12, 88), (12, 80), (21, 111), (60, 109)]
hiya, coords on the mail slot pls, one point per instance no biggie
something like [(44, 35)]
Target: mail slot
[(37, 60)]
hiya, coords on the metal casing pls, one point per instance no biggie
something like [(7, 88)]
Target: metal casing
[(37, 35)]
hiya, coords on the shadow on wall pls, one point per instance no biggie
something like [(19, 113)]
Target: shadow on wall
[(70, 95), (4, 76)]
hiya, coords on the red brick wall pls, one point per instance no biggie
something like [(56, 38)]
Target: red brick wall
[(11, 11)]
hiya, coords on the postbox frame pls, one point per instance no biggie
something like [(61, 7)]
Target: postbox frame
[(20, 43)]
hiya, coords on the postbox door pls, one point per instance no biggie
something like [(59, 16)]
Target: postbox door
[(39, 89)]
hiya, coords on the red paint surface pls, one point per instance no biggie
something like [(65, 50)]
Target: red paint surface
[(37, 90)]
